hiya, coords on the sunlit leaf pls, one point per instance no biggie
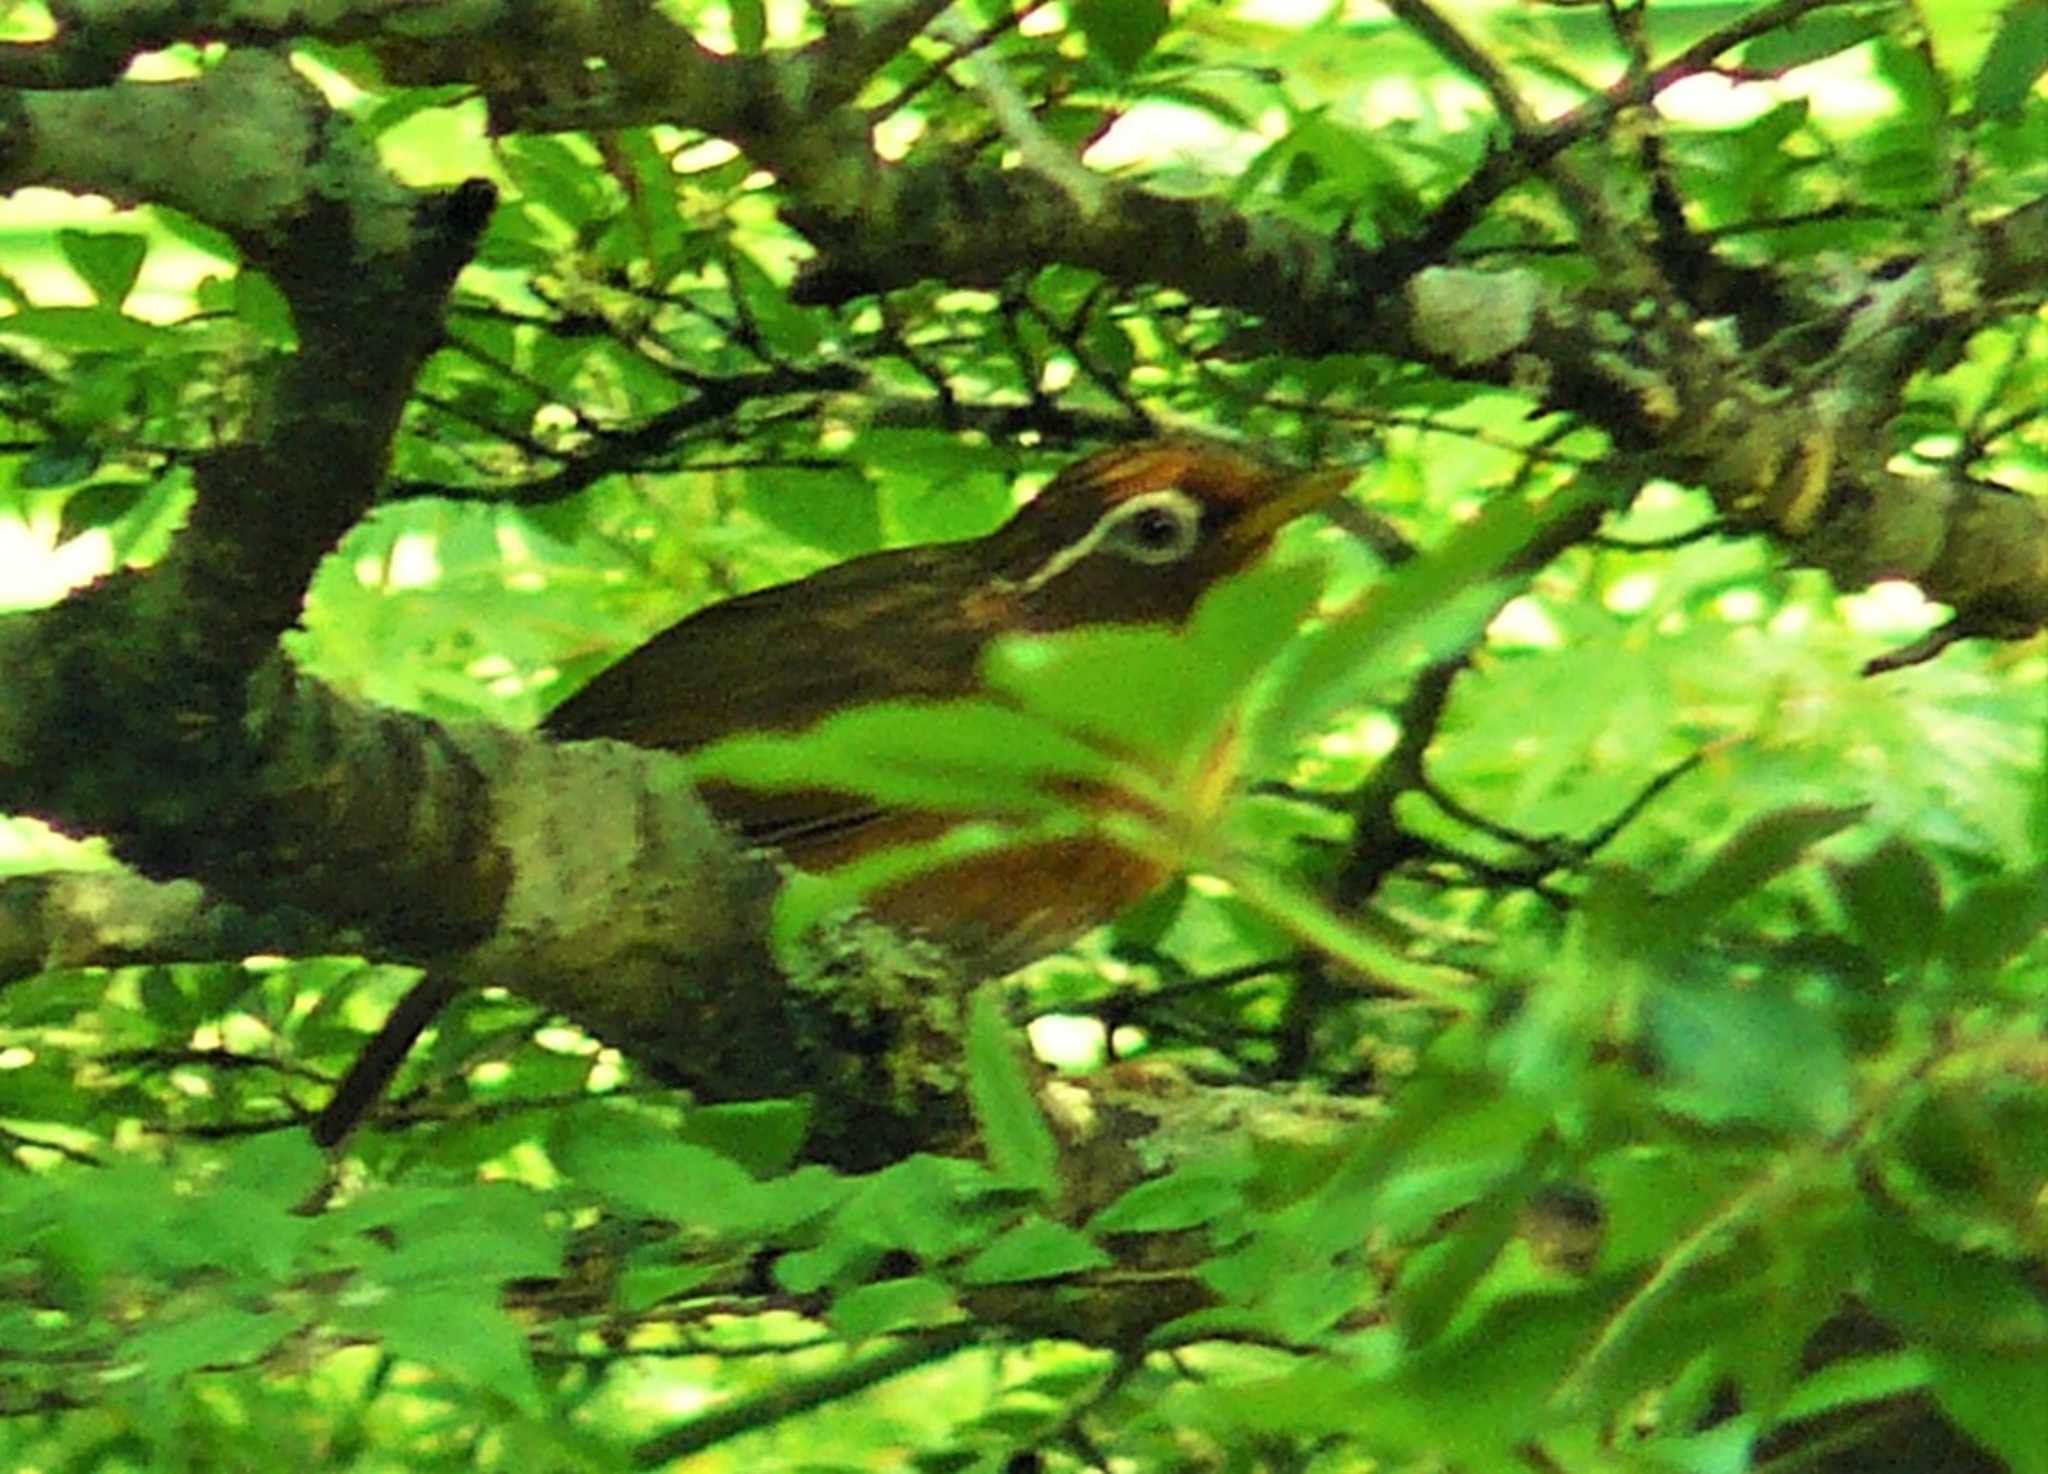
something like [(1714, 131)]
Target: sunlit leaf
[(216, 1337), (1014, 1130), (969, 756), (1995, 1396), (463, 1334), (1178, 1200), (888, 1305), (1186, 685), (1437, 604), (833, 510), (1035, 1249)]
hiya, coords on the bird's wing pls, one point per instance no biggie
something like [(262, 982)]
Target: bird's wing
[(782, 659)]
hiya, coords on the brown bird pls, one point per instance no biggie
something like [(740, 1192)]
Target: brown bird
[(1129, 536)]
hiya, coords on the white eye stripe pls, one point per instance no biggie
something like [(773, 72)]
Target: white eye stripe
[(1117, 527)]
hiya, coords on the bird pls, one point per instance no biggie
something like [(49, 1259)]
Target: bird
[(1130, 536)]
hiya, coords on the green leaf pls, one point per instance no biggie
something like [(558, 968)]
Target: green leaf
[(1756, 1054), (1188, 685), (2037, 806), (262, 308), (1109, 346), (635, 1163), (1437, 1281), (165, 1002), (1941, 1295), (461, 1333), (763, 1136), (144, 530), (108, 262), (933, 1207), (933, 486), (551, 173), (282, 1166), (787, 330), (1430, 607), (1763, 849), (89, 1230), (385, 113), (890, 1305), (841, 1259), (976, 757), (2015, 62), (1992, 923), (90, 329), (483, 1235), (1996, 1398), (1859, 1379), (643, 1286), (749, 25), (1470, 1398), (1183, 1198), (238, 1230), (1121, 32), (1893, 900), (1001, 1090), (834, 510), (652, 236), (1814, 37), (1035, 1249), (61, 462), (1922, 96), (221, 1336)]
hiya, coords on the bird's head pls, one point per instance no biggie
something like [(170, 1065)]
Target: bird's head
[(1135, 534)]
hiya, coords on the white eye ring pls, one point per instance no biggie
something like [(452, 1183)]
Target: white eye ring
[(1154, 527)]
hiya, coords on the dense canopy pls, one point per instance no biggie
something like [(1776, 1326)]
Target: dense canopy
[(1596, 1017)]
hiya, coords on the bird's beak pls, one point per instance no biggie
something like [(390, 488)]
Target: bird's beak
[(1302, 493)]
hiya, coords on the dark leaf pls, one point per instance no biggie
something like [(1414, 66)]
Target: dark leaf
[(1764, 849), (1814, 37), (1992, 923), (61, 462), (107, 262), (761, 1135), (2018, 56), (1121, 32), (1893, 900)]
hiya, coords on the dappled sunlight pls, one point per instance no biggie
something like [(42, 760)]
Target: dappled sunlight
[(36, 569), (1134, 735)]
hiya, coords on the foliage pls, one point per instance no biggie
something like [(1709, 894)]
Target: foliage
[(1670, 1012)]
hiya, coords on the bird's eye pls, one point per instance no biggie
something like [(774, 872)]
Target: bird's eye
[(1157, 527)]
